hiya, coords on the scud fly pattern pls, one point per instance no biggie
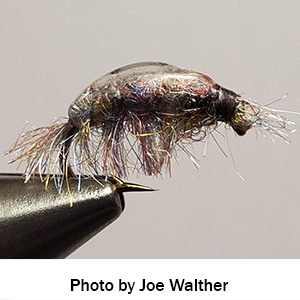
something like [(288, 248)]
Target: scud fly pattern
[(134, 119)]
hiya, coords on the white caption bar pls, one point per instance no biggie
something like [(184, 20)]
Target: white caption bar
[(150, 279)]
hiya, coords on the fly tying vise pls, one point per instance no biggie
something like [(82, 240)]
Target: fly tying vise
[(134, 119)]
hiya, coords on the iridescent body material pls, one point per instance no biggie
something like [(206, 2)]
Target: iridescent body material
[(133, 120)]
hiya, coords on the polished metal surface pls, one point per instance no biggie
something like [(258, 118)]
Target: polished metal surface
[(39, 223)]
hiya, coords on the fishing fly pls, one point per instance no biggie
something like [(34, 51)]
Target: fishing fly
[(134, 119)]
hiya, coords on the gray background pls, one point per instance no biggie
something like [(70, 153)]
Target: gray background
[(51, 50)]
